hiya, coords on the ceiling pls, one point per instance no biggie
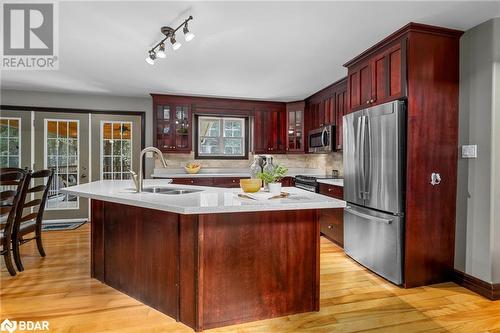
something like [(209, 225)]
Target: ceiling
[(280, 51)]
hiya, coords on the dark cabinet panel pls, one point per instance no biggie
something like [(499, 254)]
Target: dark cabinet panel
[(269, 131), (332, 220), (230, 182), (201, 181)]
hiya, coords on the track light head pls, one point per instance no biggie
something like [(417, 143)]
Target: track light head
[(161, 52), (188, 36), (175, 44), (151, 58)]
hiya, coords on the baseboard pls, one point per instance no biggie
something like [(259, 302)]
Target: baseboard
[(486, 289)]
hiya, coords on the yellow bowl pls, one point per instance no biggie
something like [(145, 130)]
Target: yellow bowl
[(192, 170), (250, 185)]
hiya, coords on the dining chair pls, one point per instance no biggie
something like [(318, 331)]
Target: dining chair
[(32, 221), (11, 186)]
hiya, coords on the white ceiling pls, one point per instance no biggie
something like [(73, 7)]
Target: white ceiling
[(260, 50)]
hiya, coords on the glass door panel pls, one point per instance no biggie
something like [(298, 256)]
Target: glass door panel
[(164, 124), (10, 142), (116, 149), (62, 156), (182, 124)]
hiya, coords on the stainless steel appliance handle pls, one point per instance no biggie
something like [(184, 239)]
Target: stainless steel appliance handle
[(357, 149), (323, 136), (363, 157), (368, 158), (368, 217)]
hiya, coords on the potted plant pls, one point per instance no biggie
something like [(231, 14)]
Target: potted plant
[(272, 178)]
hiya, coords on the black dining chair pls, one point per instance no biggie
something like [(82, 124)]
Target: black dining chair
[(32, 221), (12, 184)]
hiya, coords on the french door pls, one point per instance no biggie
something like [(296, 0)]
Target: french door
[(62, 145), (78, 147)]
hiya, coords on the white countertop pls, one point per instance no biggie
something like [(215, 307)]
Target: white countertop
[(209, 200), (227, 172), (336, 182)]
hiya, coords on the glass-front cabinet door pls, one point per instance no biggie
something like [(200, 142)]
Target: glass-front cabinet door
[(295, 128), (173, 127)]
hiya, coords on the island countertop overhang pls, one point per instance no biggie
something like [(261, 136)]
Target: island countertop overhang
[(210, 200)]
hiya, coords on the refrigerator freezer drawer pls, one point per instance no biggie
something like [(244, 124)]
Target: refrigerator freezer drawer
[(375, 240)]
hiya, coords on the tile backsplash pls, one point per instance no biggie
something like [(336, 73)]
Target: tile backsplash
[(326, 162)]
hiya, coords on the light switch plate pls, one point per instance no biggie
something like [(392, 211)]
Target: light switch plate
[(149, 154), (469, 151)]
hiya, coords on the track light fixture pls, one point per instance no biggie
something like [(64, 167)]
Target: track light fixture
[(169, 34)]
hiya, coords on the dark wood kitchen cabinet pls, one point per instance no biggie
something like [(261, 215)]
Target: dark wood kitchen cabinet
[(295, 127), (327, 107), (269, 131), (379, 78), (419, 64), (173, 127), (332, 220)]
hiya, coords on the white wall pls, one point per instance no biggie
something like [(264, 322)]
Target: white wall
[(477, 250), (84, 101)]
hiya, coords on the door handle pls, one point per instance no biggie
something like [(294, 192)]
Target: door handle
[(83, 175), (368, 217)]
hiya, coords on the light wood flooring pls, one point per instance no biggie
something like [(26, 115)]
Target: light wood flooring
[(59, 289)]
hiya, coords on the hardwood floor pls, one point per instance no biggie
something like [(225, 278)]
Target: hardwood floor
[(58, 289)]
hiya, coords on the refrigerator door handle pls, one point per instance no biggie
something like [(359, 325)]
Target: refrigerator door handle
[(368, 159), (349, 210), (362, 158), (357, 167)]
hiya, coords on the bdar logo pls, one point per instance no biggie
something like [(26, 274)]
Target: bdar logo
[(9, 326)]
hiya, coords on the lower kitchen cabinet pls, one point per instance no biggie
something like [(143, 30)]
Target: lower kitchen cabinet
[(332, 220), (332, 225)]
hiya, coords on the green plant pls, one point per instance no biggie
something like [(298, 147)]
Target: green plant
[(273, 176)]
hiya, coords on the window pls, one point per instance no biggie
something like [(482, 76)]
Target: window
[(10, 142), (116, 149), (221, 137)]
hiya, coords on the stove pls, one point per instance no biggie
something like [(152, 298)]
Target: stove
[(310, 183)]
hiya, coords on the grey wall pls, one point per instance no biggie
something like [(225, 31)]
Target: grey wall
[(84, 101), (477, 249)]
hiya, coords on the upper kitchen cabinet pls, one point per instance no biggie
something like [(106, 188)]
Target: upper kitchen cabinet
[(269, 130), (295, 127), (327, 107), (379, 76), (173, 124)]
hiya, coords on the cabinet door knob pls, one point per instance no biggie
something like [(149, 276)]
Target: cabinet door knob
[(329, 190), (330, 226), (192, 181), (234, 181), (368, 102)]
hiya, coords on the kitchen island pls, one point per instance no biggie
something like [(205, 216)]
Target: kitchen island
[(207, 258)]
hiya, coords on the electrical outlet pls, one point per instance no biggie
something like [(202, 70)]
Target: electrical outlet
[(469, 151)]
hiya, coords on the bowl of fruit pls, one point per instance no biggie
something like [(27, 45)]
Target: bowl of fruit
[(192, 168)]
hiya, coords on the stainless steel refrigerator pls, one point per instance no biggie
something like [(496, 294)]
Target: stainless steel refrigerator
[(374, 173)]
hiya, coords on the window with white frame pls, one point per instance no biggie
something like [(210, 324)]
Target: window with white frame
[(222, 137), (116, 149), (10, 142)]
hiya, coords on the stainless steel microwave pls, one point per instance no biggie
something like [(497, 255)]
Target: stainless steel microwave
[(322, 140)]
